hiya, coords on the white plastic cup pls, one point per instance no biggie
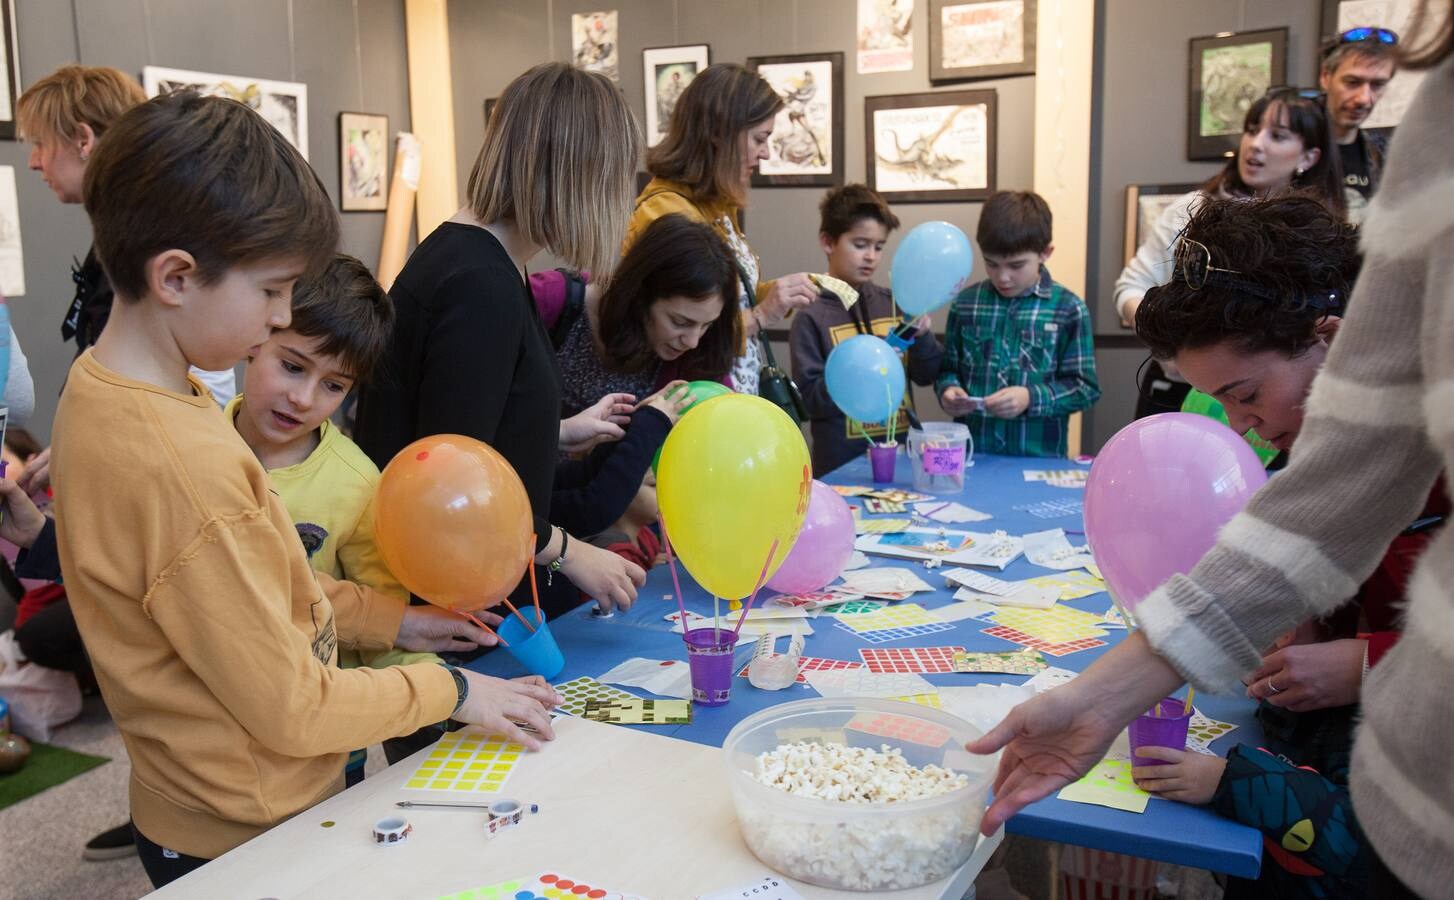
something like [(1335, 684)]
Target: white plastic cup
[(938, 452)]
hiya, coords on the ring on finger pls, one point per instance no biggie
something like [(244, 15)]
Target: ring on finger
[(1272, 687)]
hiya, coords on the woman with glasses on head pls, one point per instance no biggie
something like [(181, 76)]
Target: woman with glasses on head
[(1286, 145), (1377, 430)]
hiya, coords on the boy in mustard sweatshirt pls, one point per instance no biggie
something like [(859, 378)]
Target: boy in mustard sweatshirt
[(213, 641)]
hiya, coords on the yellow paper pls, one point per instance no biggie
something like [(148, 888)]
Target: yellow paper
[(1108, 784), (900, 616), (881, 526)]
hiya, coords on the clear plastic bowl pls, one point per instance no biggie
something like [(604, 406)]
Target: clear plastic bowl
[(860, 846)]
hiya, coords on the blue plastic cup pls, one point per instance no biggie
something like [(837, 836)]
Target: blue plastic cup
[(537, 652)]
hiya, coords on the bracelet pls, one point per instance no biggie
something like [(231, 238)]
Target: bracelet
[(556, 564), (1365, 661), (461, 686)]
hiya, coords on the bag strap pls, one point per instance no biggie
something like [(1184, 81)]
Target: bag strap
[(575, 306)]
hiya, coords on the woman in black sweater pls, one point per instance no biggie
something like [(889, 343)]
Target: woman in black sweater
[(469, 354)]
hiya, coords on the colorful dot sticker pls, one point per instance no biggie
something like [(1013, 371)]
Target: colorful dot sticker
[(545, 886), (466, 761), (924, 660), (576, 692), (905, 728), (1053, 648)]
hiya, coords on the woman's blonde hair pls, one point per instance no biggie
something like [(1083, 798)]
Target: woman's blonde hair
[(703, 145), (559, 160), (57, 105)]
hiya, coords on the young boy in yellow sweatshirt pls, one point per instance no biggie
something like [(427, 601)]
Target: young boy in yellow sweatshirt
[(294, 384), (213, 641)]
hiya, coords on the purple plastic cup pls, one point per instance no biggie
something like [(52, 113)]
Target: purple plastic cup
[(709, 654), (1163, 726), (882, 458)]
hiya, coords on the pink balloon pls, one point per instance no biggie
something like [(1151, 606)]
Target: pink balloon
[(1157, 495), (824, 545)]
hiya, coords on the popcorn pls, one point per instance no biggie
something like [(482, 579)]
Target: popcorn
[(866, 851)]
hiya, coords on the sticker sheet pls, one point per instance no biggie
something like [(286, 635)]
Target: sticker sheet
[(1073, 585), (1058, 624), (1015, 662), (813, 664), (930, 700), (885, 578), (905, 728), (863, 683), (890, 617), (578, 690), (980, 582), (920, 660), (768, 887), (750, 629), (858, 607), (1054, 648), (949, 513), (1026, 596), (995, 550), (879, 507), (880, 526), (1108, 784), (850, 490), (1052, 677), (637, 711), (668, 677), (1207, 730), (896, 495), (810, 600), (1053, 509), (966, 607), (467, 761), (1059, 477), (898, 634), (545, 886)]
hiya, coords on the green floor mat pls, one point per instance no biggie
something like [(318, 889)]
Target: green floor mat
[(47, 767)]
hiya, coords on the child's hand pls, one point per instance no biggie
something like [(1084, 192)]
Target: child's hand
[(671, 400), (429, 629), (956, 401), (23, 519), (1301, 677), (922, 325), (1007, 403), (605, 420), (1189, 777), (601, 574), (498, 705), (37, 473)]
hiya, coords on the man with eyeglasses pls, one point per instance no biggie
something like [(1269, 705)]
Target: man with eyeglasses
[(1356, 70)]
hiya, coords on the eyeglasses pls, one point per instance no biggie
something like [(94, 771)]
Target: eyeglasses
[(1355, 35), (1193, 266)]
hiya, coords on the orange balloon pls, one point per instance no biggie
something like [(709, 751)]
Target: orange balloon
[(453, 522)]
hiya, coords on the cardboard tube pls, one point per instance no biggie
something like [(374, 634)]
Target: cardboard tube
[(400, 213)]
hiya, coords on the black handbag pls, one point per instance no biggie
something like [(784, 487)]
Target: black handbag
[(773, 384)]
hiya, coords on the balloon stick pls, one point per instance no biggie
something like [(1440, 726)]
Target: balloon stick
[(1186, 707), (516, 612), (761, 580), (534, 591), (671, 562), (462, 613)]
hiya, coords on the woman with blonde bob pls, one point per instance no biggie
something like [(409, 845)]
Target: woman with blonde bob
[(702, 169), (469, 354)]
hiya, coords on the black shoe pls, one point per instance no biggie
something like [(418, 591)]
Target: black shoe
[(113, 844)]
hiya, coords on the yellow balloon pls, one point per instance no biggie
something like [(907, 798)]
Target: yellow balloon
[(735, 476)]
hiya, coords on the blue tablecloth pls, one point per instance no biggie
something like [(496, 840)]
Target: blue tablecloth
[(1169, 831)]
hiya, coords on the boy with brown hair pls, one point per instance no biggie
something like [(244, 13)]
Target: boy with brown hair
[(1018, 351), (213, 642), (854, 225)]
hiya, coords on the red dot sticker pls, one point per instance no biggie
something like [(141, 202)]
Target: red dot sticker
[(564, 884), (597, 893), (422, 455), (582, 889), (666, 662), (549, 879)]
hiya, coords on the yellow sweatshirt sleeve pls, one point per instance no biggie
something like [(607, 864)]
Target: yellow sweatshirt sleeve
[(229, 608), (653, 208)]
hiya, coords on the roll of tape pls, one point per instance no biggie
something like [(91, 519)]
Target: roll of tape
[(392, 830), (503, 814)]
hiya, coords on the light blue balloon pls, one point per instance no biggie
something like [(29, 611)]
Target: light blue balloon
[(865, 378), (931, 266)]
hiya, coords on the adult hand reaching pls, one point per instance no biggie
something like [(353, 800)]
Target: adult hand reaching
[(604, 420), (788, 293), (498, 705), (1302, 677), (429, 629), (601, 574)]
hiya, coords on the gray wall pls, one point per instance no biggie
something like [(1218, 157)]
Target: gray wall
[(350, 53), (1140, 138), (490, 43)]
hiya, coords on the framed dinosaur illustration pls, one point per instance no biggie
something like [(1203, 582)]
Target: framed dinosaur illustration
[(931, 147)]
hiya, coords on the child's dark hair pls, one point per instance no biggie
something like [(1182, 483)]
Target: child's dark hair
[(844, 207), (674, 257), (1294, 247), (344, 308), (1014, 222), (22, 443), (208, 176), (1307, 117)]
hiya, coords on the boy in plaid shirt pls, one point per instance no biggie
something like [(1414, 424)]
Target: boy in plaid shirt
[(1018, 357)]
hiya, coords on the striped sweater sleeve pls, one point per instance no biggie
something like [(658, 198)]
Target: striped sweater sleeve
[(1360, 473)]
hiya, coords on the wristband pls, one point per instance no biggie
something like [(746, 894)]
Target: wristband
[(461, 686), (556, 564), (1365, 661)]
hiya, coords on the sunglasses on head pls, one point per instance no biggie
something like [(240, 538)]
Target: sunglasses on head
[(1355, 35), (1193, 267), (1288, 93)]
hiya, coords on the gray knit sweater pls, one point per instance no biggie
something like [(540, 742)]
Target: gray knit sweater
[(1379, 428)]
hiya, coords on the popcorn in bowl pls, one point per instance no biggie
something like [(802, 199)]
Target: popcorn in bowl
[(852, 774)]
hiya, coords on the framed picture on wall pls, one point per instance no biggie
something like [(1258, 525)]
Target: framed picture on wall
[(933, 147), (666, 73), (363, 162), (282, 103), (1228, 73), (1144, 205), (9, 70), (807, 138), (980, 39), (595, 42)]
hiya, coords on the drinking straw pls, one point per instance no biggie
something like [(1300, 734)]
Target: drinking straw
[(1186, 707), (534, 592), (511, 606), (671, 562), (761, 580), (463, 614), (861, 430)]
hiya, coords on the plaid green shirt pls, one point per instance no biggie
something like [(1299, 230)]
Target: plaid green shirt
[(1042, 341)]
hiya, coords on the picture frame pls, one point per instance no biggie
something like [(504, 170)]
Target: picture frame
[(1144, 205), (9, 70), (1227, 73), (363, 162), (595, 41), (665, 73), (932, 147), (971, 39), (807, 139), (283, 103)]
